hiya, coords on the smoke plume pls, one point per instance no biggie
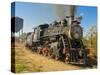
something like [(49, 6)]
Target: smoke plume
[(65, 10), (60, 12)]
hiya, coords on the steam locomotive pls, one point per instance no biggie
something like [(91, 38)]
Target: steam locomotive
[(60, 40)]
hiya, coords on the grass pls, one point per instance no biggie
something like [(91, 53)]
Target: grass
[(26, 61), (23, 64), (21, 68)]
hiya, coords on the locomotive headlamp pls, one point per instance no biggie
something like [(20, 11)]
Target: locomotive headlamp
[(76, 35)]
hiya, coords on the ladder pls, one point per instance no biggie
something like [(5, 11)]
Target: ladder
[(65, 42)]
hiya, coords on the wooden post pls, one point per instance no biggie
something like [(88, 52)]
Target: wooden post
[(19, 35)]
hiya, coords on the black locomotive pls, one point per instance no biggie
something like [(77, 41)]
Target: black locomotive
[(60, 40)]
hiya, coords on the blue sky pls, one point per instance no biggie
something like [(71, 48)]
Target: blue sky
[(36, 13)]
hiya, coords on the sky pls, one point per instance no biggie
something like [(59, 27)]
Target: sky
[(35, 14)]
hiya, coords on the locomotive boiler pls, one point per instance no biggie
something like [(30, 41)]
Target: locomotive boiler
[(60, 41)]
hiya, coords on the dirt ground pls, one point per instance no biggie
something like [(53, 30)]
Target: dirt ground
[(27, 61)]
